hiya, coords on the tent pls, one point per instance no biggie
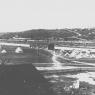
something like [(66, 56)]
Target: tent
[(74, 53), (76, 84), (3, 51), (18, 50), (79, 55)]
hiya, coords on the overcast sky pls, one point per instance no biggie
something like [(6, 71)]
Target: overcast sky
[(19, 15)]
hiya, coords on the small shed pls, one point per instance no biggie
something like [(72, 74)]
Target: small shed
[(51, 46)]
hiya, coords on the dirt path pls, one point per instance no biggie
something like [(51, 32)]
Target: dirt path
[(60, 66)]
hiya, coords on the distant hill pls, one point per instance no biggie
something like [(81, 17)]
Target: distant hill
[(88, 34)]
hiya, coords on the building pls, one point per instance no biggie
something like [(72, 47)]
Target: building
[(51, 46)]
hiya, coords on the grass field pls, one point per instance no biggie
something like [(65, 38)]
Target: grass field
[(28, 56)]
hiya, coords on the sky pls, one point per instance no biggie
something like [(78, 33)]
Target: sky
[(21, 15)]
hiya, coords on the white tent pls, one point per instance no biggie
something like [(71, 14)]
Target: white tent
[(74, 53), (67, 54), (79, 55), (18, 50), (3, 51), (76, 84)]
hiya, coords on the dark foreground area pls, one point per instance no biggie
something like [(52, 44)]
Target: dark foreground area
[(18, 74), (22, 79)]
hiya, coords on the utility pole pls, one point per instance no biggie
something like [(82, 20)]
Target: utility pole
[(37, 47)]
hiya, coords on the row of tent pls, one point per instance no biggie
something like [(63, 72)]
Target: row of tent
[(77, 53), (17, 50)]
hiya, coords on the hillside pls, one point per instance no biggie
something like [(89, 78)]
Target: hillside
[(75, 34)]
